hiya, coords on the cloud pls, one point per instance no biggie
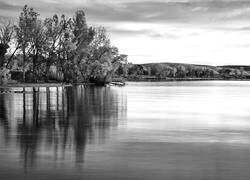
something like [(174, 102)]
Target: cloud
[(200, 12), (192, 11), (143, 32), (7, 6)]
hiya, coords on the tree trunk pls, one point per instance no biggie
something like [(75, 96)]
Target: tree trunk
[(47, 72), (1, 60), (10, 58), (35, 57), (47, 68), (3, 50), (24, 59)]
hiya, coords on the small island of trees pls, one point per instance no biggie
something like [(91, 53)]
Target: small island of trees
[(57, 49)]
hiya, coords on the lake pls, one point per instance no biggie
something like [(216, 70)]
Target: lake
[(143, 131)]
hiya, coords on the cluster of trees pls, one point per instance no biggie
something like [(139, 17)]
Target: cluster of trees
[(66, 48), (171, 70)]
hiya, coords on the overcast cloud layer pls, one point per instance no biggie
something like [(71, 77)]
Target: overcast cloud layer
[(189, 31)]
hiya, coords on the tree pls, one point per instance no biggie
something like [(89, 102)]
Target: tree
[(66, 50), (101, 56), (37, 42), (24, 32), (6, 33), (122, 66), (53, 32), (181, 71), (103, 59), (84, 36)]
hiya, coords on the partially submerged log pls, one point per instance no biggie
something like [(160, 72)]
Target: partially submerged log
[(117, 84)]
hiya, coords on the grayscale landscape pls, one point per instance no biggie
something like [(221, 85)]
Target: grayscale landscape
[(124, 89)]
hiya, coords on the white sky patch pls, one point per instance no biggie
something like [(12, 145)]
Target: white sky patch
[(193, 45)]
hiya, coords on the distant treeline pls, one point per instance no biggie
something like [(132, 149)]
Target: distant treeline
[(182, 71), (57, 48)]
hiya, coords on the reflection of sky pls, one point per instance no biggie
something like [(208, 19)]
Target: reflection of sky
[(219, 112)]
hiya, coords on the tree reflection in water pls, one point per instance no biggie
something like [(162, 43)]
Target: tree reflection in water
[(56, 124)]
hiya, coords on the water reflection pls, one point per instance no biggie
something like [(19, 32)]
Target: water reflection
[(56, 124), (145, 130)]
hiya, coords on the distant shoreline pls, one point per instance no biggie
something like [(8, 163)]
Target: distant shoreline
[(186, 79)]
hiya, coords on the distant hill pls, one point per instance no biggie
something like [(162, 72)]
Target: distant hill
[(246, 68), (179, 64)]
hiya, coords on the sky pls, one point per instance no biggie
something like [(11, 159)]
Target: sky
[(212, 32)]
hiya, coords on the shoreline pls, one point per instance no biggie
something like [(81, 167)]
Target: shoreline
[(23, 85)]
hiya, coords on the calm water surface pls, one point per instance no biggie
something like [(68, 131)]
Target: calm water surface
[(158, 130)]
